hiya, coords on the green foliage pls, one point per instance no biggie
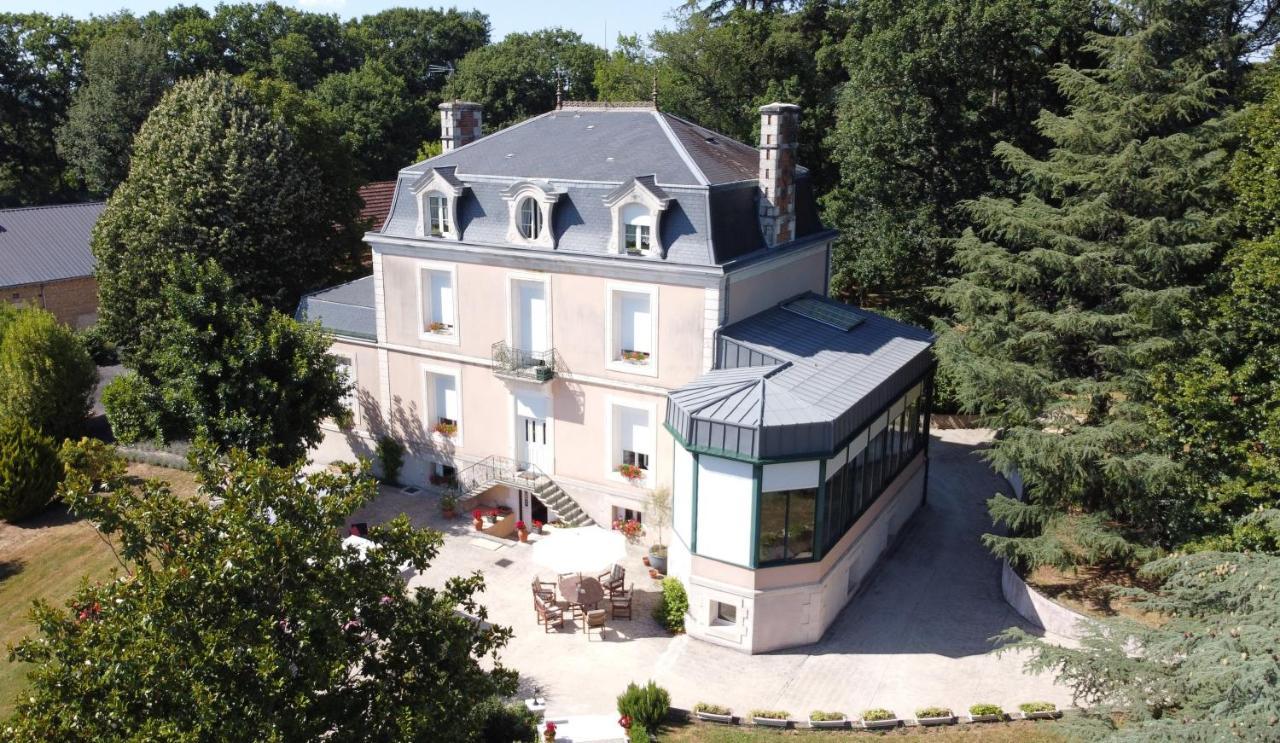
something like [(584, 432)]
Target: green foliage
[(124, 77), (516, 77), (390, 453), (933, 86), (214, 177), (97, 460), (672, 606), (1033, 707), (627, 74), (978, 710), (101, 350), (507, 723), (230, 370), (637, 734), (820, 716), (381, 122), (772, 714), (29, 470), (409, 41), (933, 712), (46, 376), (877, 714), (297, 638), (1069, 295), (1208, 667), (712, 709), (647, 705)]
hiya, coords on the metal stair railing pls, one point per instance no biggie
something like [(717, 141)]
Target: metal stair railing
[(495, 469)]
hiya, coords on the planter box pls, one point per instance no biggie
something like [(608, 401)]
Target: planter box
[(986, 718), (881, 724), (771, 722), (829, 724), (1049, 715), (658, 563), (708, 717), (935, 721)]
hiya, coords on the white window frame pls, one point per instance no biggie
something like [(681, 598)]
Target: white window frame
[(643, 225), (545, 196), (613, 333), (429, 412), (352, 398), (424, 268), (545, 280), (636, 195), (611, 447), (438, 210), (437, 186)]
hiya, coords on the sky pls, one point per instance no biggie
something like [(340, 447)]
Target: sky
[(599, 21)]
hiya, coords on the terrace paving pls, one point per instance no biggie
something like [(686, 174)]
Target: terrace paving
[(917, 635)]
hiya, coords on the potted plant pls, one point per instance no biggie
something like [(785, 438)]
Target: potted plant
[(492, 516), (537, 526), (630, 528), (713, 713), (771, 718), (1039, 710), (931, 716), (448, 505), (631, 472), (660, 508), (446, 429), (986, 713), (819, 719), (549, 732), (438, 327), (635, 357), (478, 516), (878, 719), (522, 532)]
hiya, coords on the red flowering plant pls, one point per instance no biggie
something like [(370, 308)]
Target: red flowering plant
[(477, 514), (520, 526), (631, 472), (630, 528), (549, 732)]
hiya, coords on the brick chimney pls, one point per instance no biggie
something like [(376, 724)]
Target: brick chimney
[(779, 131), (460, 124)]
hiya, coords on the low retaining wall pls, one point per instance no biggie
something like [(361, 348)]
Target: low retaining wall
[(1041, 611)]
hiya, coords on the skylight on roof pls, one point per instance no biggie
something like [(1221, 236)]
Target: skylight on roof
[(835, 315)]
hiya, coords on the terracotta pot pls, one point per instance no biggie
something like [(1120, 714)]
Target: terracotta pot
[(479, 524), (524, 535), (653, 573), (449, 513), (645, 560)]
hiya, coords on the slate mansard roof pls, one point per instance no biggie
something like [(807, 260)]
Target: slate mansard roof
[(591, 151), (787, 385), (346, 309), (46, 243)]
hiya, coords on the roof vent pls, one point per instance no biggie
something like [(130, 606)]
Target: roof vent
[(713, 140), (839, 316)]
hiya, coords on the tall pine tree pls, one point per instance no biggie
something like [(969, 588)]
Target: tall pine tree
[(1071, 293)]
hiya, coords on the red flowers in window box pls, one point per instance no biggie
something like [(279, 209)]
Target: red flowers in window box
[(447, 430), (631, 472), (630, 528)]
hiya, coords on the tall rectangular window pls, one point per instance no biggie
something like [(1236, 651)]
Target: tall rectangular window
[(638, 238), (787, 519), (631, 330), (347, 368), (633, 441), (438, 214), (444, 404), (438, 303)]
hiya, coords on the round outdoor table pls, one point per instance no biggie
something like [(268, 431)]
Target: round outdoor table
[(582, 590)]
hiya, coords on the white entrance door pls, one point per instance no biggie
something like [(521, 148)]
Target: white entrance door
[(531, 316), (533, 447)]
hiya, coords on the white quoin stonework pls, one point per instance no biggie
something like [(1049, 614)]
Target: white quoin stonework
[(460, 124), (779, 133)]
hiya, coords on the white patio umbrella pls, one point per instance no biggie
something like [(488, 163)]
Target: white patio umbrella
[(362, 546), (585, 549)]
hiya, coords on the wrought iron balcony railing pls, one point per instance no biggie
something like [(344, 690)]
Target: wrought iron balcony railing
[(517, 363)]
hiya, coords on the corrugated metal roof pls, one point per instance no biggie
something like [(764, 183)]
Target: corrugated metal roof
[(346, 309), (46, 243), (804, 384)]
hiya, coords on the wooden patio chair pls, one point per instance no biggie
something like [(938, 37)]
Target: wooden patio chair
[(594, 620), (620, 603), (548, 615), (544, 589), (613, 579)]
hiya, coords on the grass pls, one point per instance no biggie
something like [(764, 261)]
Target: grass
[(1011, 732), (47, 557)]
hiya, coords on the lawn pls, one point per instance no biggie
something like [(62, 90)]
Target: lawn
[(1012, 732), (47, 557)]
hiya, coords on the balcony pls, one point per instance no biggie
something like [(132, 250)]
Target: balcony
[(516, 363)]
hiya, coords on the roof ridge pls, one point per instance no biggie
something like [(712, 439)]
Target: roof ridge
[(51, 206), (480, 139), (660, 117)]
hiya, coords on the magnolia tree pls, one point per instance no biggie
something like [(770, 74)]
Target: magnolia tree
[(249, 620)]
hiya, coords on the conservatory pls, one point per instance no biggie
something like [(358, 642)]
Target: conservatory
[(799, 457)]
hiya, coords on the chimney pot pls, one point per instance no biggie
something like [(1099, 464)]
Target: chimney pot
[(779, 132), (461, 123)]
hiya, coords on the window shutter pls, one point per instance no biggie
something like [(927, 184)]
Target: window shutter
[(634, 430)]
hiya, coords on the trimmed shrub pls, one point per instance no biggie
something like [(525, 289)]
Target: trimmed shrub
[(507, 723), (96, 460), (1030, 707), (820, 716), (711, 709), (29, 470), (979, 710), (933, 712), (875, 715), (674, 604), (46, 376), (391, 455), (637, 734), (133, 409), (647, 705)]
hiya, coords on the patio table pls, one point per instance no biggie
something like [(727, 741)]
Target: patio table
[(582, 590)]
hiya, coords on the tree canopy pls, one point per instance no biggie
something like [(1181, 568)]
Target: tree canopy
[(241, 616), (46, 375)]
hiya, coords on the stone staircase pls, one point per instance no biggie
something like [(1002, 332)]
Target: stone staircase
[(496, 470)]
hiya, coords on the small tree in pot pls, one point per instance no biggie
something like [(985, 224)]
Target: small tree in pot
[(660, 508)]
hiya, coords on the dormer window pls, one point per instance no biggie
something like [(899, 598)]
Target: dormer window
[(438, 192), (438, 214), (638, 229), (637, 208), (530, 219), (529, 213)]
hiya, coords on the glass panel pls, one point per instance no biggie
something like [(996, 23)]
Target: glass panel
[(773, 527), (530, 219), (801, 510)]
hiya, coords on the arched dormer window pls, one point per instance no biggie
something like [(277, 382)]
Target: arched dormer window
[(637, 207), (437, 192), (529, 208)]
